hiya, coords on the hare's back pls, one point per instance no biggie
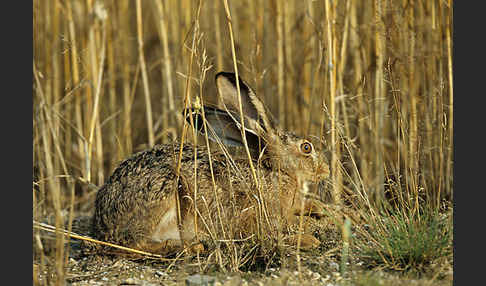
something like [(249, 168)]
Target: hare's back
[(129, 203)]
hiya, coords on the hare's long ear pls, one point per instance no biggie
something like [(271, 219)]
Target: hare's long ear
[(256, 116), (222, 126)]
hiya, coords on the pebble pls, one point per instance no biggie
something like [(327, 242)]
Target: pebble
[(200, 280), (161, 273), (334, 266)]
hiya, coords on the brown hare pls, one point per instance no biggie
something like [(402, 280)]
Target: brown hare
[(146, 206)]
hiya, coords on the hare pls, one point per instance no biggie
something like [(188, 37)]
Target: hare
[(146, 206)]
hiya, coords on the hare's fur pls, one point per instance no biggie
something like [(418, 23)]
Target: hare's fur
[(145, 205)]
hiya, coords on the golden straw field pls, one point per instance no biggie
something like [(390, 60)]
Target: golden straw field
[(370, 81)]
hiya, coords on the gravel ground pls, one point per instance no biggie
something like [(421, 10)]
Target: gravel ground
[(318, 267)]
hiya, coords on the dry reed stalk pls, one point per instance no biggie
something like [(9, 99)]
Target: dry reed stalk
[(125, 23), (111, 28), (379, 100), (280, 63), (413, 135), (176, 36), (288, 20), (308, 37), (89, 45), (259, 11), (450, 122), (143, 67), (340, 70), (430, 99), (332, 65), (217, 33), (95, 115), (56, 73), (194, 131), (187, 103), (67, 111), (75, 80), (167, 59), (358, 63), (53, 188)]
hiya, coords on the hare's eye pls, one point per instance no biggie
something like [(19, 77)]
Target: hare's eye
[(306, 147)]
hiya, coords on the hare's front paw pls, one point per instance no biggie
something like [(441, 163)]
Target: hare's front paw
[(307, 241), (195, 248)]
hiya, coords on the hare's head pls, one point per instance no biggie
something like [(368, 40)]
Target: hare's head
[(294, 155)]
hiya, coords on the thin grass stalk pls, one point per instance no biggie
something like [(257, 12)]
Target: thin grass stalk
[(201, 80), (187, 100), (235, 67), (143, 67), (213, 181), (70, 234), (261, 202)]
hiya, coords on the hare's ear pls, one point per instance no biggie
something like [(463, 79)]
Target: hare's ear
[(223, 127), (254, 111)]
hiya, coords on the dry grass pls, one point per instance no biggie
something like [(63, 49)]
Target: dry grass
[(371, 79)]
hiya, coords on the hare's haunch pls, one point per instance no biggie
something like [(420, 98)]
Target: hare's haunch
[(144, 205)]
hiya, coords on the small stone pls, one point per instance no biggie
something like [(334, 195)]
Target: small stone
[(200, 280), (234, 281), (130, 281), (160, 273), (334, 266)]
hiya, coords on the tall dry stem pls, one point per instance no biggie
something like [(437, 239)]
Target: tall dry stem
[(143, 67)]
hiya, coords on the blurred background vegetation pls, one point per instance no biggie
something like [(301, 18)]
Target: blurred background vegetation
[(371, 79)]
